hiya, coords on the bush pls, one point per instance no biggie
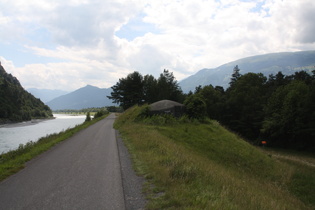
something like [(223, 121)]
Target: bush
[(196, 107), (88, 117), (100, 113)]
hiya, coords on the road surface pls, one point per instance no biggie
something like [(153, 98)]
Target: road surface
[(83, 172)]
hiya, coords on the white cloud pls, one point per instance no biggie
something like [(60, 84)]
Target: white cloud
[(190, 35), (66, 75)]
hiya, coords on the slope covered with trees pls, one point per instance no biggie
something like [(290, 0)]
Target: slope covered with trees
[(16, 104), (279, 109)]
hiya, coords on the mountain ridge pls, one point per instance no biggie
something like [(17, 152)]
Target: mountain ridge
[(85, 97), (287, 62), (46, 95)]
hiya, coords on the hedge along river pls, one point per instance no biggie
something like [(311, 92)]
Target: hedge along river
[(12, 135)]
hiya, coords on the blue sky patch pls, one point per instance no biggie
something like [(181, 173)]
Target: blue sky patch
[(136, 28), (22, 56), (41, 37)]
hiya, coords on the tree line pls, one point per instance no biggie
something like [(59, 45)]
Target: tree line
[(138, 89), (79, 111), (279, 109)]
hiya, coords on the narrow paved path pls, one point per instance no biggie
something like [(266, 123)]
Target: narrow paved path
[(82, 172)]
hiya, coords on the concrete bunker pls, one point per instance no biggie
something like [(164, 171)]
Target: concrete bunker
[(167, 107)]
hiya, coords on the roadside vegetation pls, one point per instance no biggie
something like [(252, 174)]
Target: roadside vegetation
[(13, 161), (92, 110), (193, 164)]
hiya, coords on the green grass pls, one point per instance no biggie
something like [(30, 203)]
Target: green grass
[(302, 183), (13, 161), (191, 165)]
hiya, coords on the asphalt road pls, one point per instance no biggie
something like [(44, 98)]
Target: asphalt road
[(83, 172)]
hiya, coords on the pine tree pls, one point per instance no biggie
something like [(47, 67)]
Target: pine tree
[(235, 76)]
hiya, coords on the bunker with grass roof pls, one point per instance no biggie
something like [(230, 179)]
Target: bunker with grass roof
[(167, 107)]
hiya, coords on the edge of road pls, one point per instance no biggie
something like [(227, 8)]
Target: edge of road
[(132, 183)]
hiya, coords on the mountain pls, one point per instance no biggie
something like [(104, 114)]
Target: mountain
[(16, 104), (86, 97), (46, 95), (287, 62)]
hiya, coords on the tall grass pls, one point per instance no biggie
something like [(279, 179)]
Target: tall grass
[(14, 160), (203, 166), (302, 183)]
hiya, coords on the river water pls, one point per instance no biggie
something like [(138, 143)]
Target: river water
[(12, 135)]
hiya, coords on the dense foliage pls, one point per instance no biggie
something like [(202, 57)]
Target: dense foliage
[(195, 107), (16, 104), (136, 89), (279, 109)]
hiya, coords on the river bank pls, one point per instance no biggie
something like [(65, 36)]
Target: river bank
[(7, 122), (11, 124), (12, 161), (14, 134)]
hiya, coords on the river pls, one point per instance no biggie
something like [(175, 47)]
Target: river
[(12, 135)]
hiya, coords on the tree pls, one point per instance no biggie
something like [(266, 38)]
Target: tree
[(168, 87), (136, 89), (128, 91), (245, 103), (289, 116), (196, 107), (198, 89), (150, 89), (214, 99), (303, 76), (235, 76), (88, 117)]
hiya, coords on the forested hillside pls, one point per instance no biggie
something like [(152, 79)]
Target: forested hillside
[(16, 104), (279, 110)]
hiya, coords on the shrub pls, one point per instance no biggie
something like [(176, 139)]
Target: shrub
[(100, 113), (196, 107), (88, 117)]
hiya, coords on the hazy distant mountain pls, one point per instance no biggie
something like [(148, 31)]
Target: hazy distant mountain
[(86, 97), (46, 95), (287, 62)]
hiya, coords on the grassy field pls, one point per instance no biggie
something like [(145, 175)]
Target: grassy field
[(13, 161), (192, 165)]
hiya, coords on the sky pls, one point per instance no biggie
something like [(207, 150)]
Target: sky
[(65, 45)]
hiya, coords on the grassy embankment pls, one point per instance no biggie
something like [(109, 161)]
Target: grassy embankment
[(191, 165), (13, 161)]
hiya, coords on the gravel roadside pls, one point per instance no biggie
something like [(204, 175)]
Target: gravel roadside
[(132, 184)]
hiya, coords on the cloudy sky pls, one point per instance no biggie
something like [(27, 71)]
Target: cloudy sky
[(67, 44)]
